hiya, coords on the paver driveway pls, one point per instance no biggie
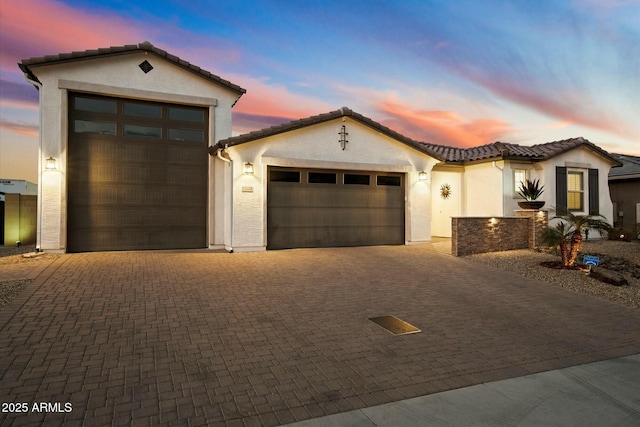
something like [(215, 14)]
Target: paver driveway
[(180, 338)]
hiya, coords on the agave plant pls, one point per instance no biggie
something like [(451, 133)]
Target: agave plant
[(530, 190), (567, 234)]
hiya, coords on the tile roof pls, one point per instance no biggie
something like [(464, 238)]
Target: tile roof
[(630, 167), (454, 155), (27, 64)]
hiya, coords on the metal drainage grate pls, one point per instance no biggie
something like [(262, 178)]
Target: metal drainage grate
[(395, 325)]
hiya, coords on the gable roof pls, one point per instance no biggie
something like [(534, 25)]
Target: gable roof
[(630, 167), (321, 118), (27, 64), (451, 155)]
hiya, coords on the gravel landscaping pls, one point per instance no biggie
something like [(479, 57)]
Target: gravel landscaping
[(622, 257), (9, 289)]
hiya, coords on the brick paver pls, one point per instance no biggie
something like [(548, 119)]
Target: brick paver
[(181, 338)]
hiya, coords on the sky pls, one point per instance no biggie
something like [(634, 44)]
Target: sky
[(460, 73)]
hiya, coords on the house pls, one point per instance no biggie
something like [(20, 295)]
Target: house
[(139, 155), (624, 185), (18, 212)]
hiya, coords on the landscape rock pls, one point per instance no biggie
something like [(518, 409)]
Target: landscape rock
[(608, 276)]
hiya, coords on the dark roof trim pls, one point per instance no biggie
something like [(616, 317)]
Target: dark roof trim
[(322, 118), (27, 64)]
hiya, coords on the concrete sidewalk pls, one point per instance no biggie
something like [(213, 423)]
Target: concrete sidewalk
[(597, 394)]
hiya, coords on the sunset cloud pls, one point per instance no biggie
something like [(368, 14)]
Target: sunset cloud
[(42, 27), (21, 128), (442, 127)]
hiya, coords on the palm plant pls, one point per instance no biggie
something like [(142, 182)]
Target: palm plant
[(567, 234)]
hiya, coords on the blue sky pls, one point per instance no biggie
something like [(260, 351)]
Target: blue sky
[(460, 73)]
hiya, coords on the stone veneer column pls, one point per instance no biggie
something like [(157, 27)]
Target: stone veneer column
[(540, 222)]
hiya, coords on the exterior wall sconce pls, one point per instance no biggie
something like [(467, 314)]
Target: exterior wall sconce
[(248, 168), (423, 176), (50, 164)]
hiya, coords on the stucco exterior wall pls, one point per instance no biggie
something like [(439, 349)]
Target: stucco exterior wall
[(318, 146), (117, 76), (483, 194)]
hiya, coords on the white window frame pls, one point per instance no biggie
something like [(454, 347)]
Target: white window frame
[(516, 185), (585, 190)]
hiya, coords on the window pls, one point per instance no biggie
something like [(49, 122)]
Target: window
[(356, 179), (100, 128), (186, 114), (575, 191), (142, 131), (519, 176), (393, 181), (322, 178), (95, 105), (284, 176), (194, 135), (142, 110)]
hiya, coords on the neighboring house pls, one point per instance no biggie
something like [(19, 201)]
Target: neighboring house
[(624, 185), (18, 212), (130, 127)]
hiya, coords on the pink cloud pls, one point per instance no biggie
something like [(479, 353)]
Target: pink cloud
[(442, 127), (43, 27), (20, 128), (272, 100)]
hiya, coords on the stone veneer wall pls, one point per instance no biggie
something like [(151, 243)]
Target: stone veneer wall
[(473, 235), (540, 224)]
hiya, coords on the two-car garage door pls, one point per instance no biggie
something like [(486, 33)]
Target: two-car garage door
[(325, 208), (137, 175)]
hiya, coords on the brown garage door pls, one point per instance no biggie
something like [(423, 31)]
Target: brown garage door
[(137, 175), (326, 208)]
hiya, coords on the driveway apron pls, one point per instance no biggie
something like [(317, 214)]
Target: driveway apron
[(197, 338)]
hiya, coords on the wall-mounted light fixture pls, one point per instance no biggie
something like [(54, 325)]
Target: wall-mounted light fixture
[(423, 176), (50, 164), (248, 168)]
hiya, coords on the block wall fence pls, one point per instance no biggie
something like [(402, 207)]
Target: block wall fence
[(474, 235)]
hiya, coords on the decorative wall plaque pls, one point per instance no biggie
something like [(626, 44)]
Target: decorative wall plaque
[(445, 191)]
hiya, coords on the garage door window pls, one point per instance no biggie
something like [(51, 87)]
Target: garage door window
[(356, 179), (95, 105), (284, 176), (98, 128), (142, 131), (322, 178), (191, 135), (392, 181), (142, 110), (186, 114)]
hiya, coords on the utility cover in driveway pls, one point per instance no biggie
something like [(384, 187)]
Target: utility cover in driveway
[(395, 325)]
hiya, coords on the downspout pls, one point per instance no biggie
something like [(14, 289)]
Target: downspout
[(219, 155), (38, 86), (495, 165)]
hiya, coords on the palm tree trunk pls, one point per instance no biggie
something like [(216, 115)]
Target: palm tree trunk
[(564, 252), (576, 244)]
